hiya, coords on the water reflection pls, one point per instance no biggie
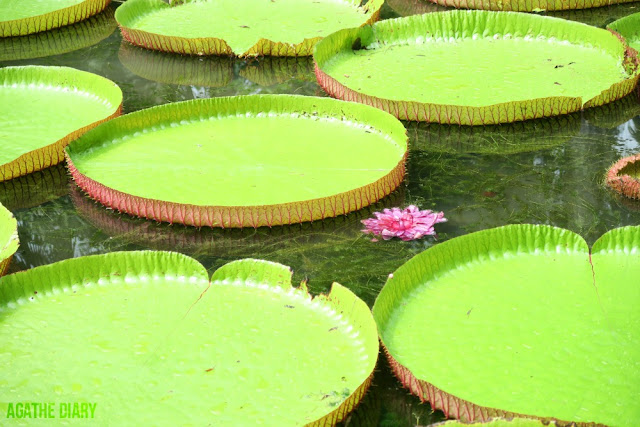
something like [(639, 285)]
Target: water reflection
[(212, 71), (414, 7), (561, 186), (322, 251), (194, 77), (35, 188), (508, 138), (271, 71), (597, 16)]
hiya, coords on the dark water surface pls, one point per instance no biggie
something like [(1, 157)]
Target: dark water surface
[(542, 172)]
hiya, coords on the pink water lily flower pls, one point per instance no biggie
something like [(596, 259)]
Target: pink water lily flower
[(408, 224)]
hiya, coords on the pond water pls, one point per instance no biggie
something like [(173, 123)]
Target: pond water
[(543, 172)]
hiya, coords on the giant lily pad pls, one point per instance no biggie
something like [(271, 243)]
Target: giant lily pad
[(629, 28), (43, 108), (8, 238), (528, 5), (476, 67), (242, 161), (19, 18), (245, 28), (148, 337), (521, 319), (61, 40)]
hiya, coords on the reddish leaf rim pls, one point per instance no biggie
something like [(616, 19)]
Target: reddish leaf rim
[(240, 216), (455, 407), (7, 215), (57, 18), (624, 184)]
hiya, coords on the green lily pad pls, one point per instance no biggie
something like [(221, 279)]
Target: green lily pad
[(147, 337), (19, 18), (527, 5), (62, 40), (43, 108), (245, 28), (8, 238), (476, 67), (213, 71), (519, 320), (242, 161), (629, 28)]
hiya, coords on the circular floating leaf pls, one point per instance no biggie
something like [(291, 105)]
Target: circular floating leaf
[(146, 336), (516, 320), (43, 108), (475, 67), (242, 161), (8, 238), (624, 176), (28, 17), (243, 28), (527, 5), (58, 41), (629, 28)]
